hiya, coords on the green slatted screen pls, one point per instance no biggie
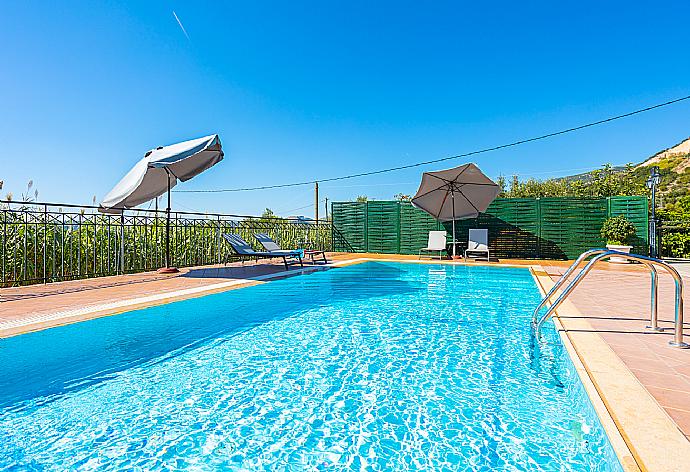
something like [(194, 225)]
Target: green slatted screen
[(414, 228), (513, 226), (570, 226), (383, 223), (350, 226), (547, 228), (636, 210)]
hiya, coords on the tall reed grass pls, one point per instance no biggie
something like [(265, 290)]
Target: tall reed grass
[(47, 242)]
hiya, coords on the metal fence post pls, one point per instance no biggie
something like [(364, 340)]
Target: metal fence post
[(122, 242), (539, 228), (218, 261), (45, 242), (399, 232)]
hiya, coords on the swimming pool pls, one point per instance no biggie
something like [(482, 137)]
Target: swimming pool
[(384, 366)]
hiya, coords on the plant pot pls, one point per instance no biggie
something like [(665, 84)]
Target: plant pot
[(619, 248)]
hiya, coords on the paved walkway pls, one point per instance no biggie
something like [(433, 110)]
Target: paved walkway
[(683, 268), (35, 300)]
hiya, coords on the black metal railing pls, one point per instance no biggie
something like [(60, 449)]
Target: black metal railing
[(49, 242)]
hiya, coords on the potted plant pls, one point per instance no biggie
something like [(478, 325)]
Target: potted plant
[(617, 232)]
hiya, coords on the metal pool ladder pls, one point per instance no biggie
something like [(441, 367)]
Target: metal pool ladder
[(599, 255)]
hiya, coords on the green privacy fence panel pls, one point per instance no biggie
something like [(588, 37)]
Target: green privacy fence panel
[(513, 226), (549, 228), (383, 223), (351, 233), (570, 226), (414, 229), (636, 210)]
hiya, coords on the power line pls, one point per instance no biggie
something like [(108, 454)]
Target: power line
[(560, 171), (458, 156), (297, 209), (302, 207), (188, 208), (392, 184)]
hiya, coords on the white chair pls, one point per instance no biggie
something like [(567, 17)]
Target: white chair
[(437, 243), (478, 243)]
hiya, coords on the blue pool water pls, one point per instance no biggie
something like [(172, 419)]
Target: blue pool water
[(376, 366)]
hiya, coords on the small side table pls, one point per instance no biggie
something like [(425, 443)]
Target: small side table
[(313, 253)]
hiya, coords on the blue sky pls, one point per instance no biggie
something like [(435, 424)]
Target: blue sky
[(303, 90)]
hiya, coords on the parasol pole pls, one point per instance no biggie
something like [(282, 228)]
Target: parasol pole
[(167, 223), (167, 269), (452, 200)]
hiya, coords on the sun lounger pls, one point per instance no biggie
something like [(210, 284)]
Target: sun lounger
[(478, 243), (245, 251), (271, 246), (436, 243)]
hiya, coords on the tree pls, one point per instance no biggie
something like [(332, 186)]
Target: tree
[(678, 210), (501, 181), (533, 188), (362, 199), (268, 216), (401, 197), (608, 182)]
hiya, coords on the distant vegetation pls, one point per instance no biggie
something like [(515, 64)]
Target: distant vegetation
[(675, 216), (605, 182)]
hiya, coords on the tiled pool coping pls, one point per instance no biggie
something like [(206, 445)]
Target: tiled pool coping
[(39, 321), (642, 434)]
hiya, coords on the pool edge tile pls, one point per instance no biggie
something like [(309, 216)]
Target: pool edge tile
[(44, 321)]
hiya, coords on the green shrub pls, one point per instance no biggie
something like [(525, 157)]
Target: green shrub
[(674, 220), (617, 230), (676, 244)]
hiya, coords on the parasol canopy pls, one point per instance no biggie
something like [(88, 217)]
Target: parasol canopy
[(455, 194), (156, 173), (160, 169)]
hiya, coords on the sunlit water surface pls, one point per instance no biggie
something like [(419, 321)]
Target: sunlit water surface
[(376, 366)]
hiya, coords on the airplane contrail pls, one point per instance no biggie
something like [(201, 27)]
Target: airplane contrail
[(181, 25)]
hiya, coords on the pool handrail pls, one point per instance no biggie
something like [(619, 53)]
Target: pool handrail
[(600, 254), (653, 320), (563, 278)]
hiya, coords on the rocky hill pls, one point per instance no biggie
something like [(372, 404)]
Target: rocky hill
[(678, 155), (674, 165)]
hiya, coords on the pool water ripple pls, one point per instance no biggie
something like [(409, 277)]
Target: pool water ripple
[(377, 366)]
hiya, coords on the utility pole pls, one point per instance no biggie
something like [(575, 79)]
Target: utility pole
[(326, 208), (316, 202)]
